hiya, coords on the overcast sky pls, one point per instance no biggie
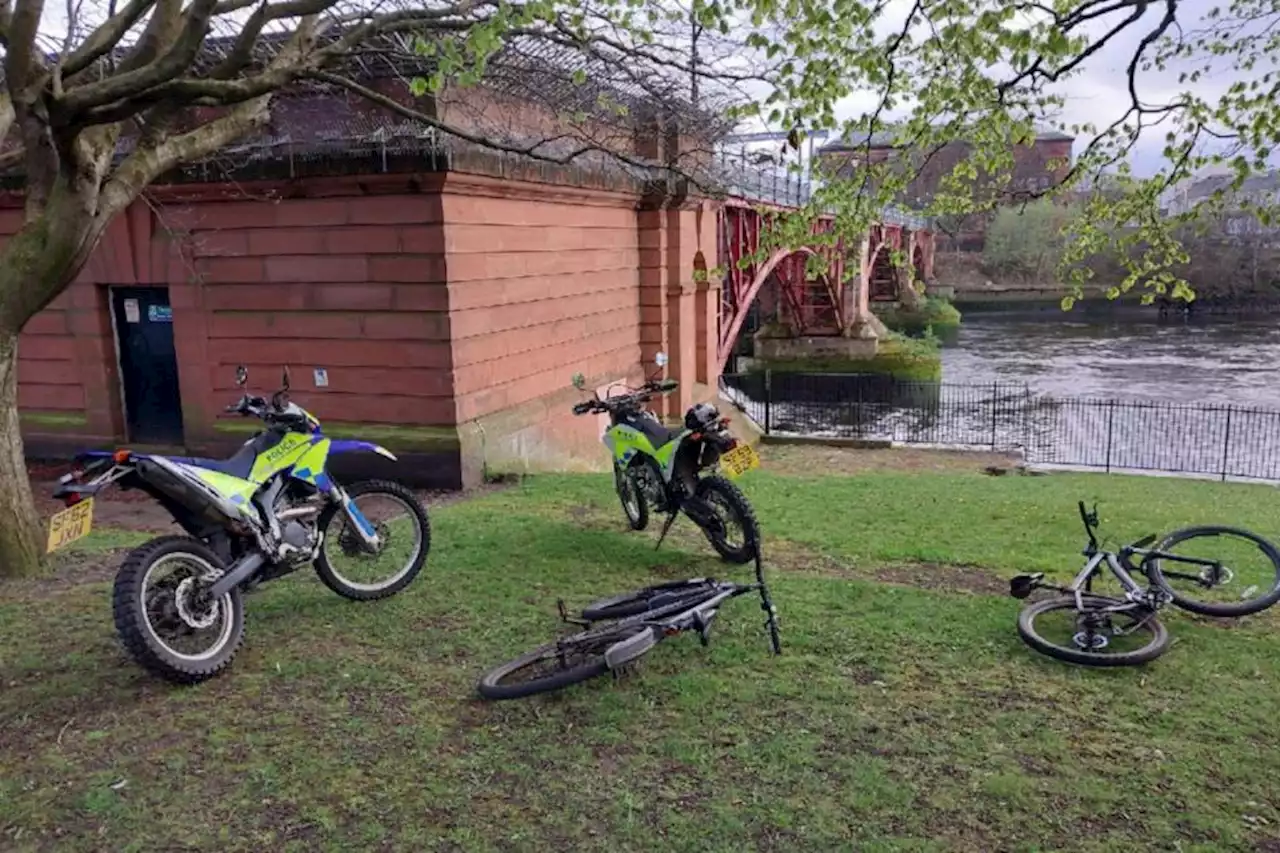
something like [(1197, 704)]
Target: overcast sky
[(1099, 95)]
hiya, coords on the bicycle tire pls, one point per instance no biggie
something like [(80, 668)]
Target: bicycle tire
[(644, 600), (594, 642), (1158, 645), (1245, 608)]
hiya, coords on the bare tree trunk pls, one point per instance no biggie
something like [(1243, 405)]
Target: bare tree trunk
[(35, 266), (21, 542)]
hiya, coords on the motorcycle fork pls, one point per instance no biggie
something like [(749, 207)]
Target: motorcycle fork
[(367, 531)]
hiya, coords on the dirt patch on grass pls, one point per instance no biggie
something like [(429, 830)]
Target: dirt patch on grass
[(789, 556), (817, 460), (68, 572), (943, 578)]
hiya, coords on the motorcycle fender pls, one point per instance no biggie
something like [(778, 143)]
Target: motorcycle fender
[(342, 445)]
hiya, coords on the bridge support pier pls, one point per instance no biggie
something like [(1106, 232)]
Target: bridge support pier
[(678, 306)]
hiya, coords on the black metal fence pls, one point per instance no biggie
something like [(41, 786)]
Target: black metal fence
[(1223, 441)]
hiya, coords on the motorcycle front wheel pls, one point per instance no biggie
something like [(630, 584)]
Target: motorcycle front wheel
[(348, 567), (635, 506)]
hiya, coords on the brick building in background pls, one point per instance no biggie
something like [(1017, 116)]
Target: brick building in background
[(434, 296), (1037, 167)]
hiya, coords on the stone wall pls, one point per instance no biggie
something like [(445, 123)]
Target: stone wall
[(449, 313)]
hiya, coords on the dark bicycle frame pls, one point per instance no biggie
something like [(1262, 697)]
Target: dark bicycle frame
[(1121, 565), (667, 620)]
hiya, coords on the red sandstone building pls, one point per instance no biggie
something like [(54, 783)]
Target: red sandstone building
[(435, 298), (1037, 167)]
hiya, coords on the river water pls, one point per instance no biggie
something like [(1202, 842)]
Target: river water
[(1236, 363), (1117, 394)]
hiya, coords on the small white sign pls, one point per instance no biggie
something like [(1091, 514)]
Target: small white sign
[(322, 377), (131, 313)]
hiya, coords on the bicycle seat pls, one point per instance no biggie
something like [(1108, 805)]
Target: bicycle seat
[(1142, 543), (1020, 586)]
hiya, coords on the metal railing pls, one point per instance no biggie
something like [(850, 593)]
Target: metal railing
[(1227, 441), (742, 176)]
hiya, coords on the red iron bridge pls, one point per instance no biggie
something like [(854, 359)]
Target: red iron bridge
[(823, 305)]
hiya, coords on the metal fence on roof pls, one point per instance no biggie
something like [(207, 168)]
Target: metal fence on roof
[(741, 176)]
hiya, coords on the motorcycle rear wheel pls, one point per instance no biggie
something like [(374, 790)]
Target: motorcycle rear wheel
[(722, 494), (143, 620)]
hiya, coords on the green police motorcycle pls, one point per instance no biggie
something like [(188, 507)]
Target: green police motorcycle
[(690, 469)]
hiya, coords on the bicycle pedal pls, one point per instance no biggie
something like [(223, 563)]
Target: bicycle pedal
[(1020, 586)]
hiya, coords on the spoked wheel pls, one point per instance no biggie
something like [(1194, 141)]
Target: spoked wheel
[(1244, 579), (165, 617), (644, 600), (555, 666), (1095, 635), (731, 526), (634, 504), (347, 565)]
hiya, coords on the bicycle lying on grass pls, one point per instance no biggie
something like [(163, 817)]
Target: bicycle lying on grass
[(630, 625), (1094, 638)]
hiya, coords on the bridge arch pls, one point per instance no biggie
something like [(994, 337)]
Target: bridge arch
[(728, 336), (883, 276)]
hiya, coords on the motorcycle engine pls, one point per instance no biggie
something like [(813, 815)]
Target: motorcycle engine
[(652, 487), (301, 535)]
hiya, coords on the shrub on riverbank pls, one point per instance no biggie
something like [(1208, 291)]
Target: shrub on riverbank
[(908, 359), (936, 315)]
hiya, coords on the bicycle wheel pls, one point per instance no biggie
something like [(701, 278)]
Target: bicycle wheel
[(554, 666), (644, 600), (1245, 580), (1093, 636)]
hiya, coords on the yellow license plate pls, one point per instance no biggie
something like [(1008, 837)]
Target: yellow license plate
[(71, 524), (739, 461)]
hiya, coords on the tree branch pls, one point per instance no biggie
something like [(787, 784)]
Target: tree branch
[(134, 82), (20, 57), (105, 37), (144, 165)]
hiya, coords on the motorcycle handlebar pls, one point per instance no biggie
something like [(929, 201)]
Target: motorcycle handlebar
[(247, 405), (641, 396)]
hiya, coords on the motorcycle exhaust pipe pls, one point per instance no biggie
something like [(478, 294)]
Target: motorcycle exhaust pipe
[(298, 512)]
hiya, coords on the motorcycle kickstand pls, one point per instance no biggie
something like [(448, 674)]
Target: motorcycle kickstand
[(666, 527)]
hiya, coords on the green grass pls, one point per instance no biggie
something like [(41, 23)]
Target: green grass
[(54, 420), (422, 438), (899, 717)]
